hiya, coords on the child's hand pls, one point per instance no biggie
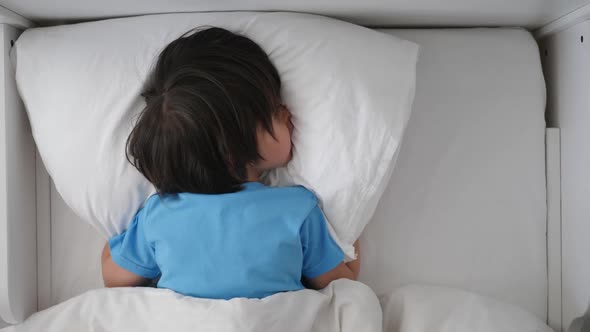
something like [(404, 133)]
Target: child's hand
[(355, 265)]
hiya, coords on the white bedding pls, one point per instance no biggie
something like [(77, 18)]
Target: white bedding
[(345, 306), (466, 203)]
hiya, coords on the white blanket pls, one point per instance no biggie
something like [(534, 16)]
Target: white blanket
[(343, 306)]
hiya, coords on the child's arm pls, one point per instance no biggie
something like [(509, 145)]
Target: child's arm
[(115, 276), (348, 270)]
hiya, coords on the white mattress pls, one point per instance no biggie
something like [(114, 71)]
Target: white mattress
[(466, 203)]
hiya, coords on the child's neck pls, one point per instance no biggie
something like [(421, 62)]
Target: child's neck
[(253, 174)]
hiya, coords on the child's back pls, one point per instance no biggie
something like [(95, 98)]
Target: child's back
[(252, 243)]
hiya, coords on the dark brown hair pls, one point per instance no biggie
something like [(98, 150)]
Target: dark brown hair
[(205, 98)]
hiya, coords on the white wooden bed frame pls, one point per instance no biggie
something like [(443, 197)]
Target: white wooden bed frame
[(25, 200), (18, 219)]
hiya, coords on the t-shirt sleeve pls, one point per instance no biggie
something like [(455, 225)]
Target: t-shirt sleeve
[(320, 253), (132, 251)]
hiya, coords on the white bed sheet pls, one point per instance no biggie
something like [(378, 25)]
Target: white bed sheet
[(466, 204)]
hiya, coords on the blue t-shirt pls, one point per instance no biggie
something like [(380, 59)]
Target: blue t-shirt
[(252, 243)]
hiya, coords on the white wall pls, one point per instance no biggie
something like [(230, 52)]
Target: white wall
[(567, 72), (529, 13)]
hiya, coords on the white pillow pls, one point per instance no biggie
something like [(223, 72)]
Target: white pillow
[(417, 308), (350, 90)]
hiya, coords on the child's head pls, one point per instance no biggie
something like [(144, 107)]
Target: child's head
[(213, 116)]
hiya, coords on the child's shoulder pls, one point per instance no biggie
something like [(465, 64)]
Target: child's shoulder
[(147, 205), (297, 191), (292, 195), (151, 200)]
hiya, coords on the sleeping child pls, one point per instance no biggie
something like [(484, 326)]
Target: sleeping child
[(213, 124)]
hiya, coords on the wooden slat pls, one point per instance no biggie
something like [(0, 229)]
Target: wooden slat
[(18, 250), (554, 317)]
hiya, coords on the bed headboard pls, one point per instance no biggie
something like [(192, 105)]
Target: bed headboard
[(375, 13), (18, 255)]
